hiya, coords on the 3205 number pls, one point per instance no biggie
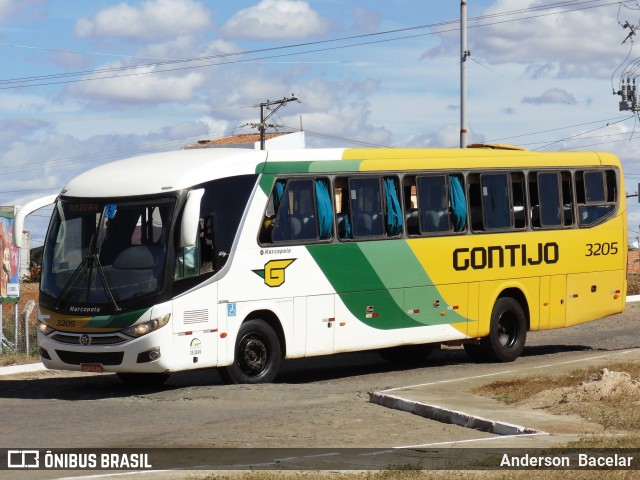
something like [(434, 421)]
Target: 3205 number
[(606, 248)]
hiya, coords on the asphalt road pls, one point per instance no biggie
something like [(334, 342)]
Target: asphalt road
[(314, 403)]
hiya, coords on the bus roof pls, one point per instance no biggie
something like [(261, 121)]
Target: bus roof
[(177, 170)]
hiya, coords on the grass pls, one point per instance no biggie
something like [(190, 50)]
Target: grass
[(408, 474), (17, 359)]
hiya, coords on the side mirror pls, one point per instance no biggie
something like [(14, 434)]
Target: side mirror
[(28, 208), (191, 219)]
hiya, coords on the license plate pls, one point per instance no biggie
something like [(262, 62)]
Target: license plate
[(91, 367)]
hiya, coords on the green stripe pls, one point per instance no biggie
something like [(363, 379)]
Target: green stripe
[(372, 280), (332, 166), (269, 170), (121, 320)]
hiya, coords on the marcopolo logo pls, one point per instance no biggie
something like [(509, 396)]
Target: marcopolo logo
[(273, 272)]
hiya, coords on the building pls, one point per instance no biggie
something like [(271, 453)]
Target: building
[(273, 141), (633, 262)]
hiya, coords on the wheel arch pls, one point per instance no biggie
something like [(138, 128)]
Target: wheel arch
[(274, 322)]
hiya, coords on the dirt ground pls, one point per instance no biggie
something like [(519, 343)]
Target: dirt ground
[(604, 385)]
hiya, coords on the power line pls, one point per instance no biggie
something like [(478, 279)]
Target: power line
[(25, 82), (583, 133)]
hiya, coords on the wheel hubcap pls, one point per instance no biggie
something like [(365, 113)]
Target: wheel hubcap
[(507, 331), (253, 354)]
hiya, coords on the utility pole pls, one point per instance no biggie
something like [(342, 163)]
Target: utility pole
[(464, 53), (262, 126), (628, 91)]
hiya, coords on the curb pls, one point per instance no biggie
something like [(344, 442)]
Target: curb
[(447, 415), (28, 367)]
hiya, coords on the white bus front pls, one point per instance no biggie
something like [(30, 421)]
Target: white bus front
[(129, 283)]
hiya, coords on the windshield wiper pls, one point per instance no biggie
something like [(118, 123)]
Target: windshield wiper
[(87, 263), (79, 274)]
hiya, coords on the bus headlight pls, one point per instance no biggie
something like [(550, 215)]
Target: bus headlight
[(147, 327), (44, 328)]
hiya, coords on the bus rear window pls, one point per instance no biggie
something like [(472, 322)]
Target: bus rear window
[(597, 194)]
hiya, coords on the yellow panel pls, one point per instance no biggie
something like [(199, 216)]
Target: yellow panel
[(417, 159), (594, 295), (544, 304), (557, 301)]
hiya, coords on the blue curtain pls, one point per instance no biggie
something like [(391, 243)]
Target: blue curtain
[(325, 210), (458, 204), (394, 211), (278, 192), (347, 227)]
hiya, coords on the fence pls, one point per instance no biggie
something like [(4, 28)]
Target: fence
[(17, 333)]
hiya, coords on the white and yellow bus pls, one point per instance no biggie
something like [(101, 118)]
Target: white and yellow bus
[(239, 259)]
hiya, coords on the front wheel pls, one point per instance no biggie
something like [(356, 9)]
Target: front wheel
[(508, 331), (257, 354)]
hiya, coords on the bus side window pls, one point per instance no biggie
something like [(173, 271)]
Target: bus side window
[(218, 226), (433, 201), (343, 218), (475, 202), (366, 207), (457, 203), (273, 205), (534, 200), (567, 198), (551, 213), (496, 205), (411, 214), (551, 199), (394, 218), (597, 194), (497, 201), (518, 199), (298, 210)]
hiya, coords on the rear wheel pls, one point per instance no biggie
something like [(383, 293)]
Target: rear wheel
[(257, 354), (508, 331)]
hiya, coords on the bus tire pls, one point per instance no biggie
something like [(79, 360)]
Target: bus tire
[(257, 354), (507, 331), (143, 379)]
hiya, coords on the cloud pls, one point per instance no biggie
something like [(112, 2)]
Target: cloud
[(551, 42), (446, 137), (10, 130), (276, 19), (552, 96), (365, 20), (331, 109), (145, 88), (153, 19), (9, 8)]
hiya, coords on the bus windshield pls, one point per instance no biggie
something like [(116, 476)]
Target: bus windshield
[(102, 253)]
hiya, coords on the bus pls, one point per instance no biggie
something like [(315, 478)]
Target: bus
[(239, 259)]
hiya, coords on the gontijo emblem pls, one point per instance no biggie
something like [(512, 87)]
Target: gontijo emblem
[(273, 272)]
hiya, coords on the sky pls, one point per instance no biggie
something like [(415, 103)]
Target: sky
[(84, 83)]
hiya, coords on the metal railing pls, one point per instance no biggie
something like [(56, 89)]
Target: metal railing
[(17, 333)]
